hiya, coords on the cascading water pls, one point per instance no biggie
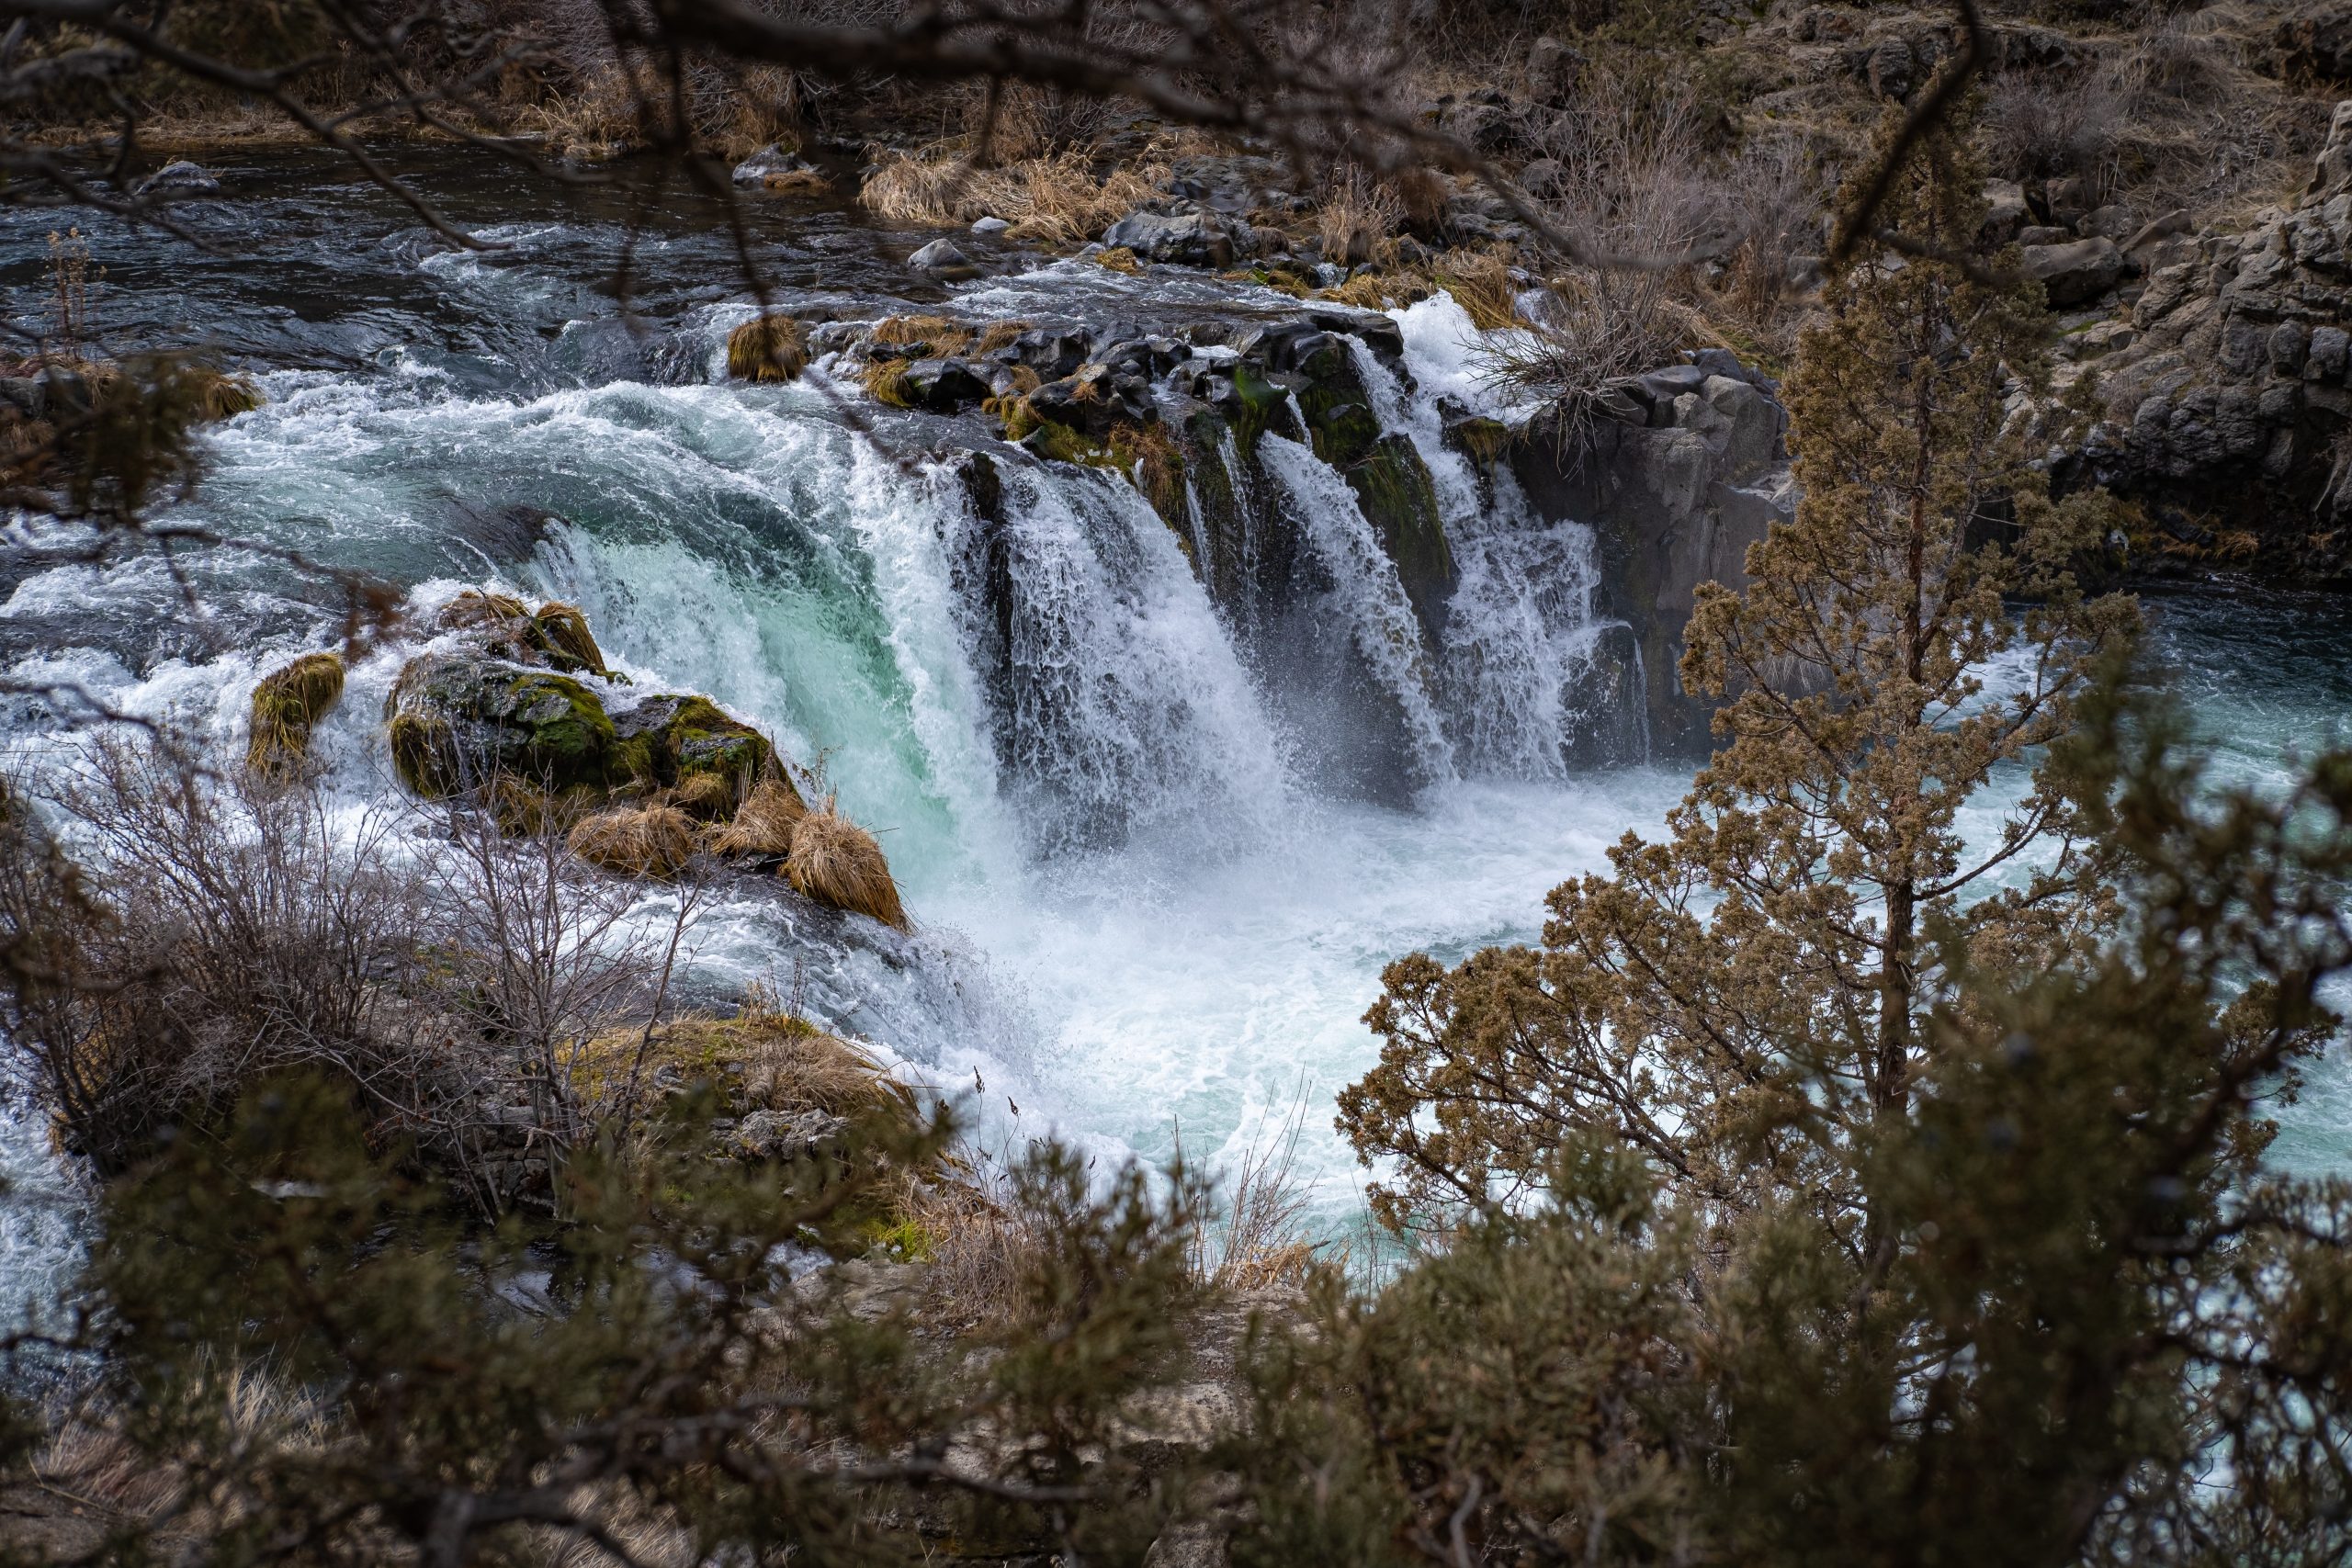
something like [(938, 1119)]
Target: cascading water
[(1120, 708), (1147, 897)]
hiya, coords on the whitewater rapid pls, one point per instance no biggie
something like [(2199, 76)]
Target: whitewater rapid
[(1143, 916)]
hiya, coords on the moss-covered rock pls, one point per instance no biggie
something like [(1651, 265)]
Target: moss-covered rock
[(669, 738), (288, 702), (457, 722)]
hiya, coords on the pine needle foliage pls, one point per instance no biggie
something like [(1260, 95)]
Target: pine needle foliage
[(2104, 1327), (647, 1380), (1741, 1000)]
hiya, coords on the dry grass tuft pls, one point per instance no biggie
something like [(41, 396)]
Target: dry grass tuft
[(767, 348), (219, 395), (565, 627), (983, 1253), (937, 336), (1057, 197), (1265, 1242), (707, 797), (836, 862), (1119, 258), (999, 335), (288, 701), (804, 1068), (474, 609), (764, 823), (887, 379), (637, 841), (797, 182), (524, 810), (1357, 214)]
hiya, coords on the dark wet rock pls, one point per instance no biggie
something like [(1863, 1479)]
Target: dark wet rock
[(1891, 67), (2076, 273), (944, 386), (1202, 237), (460, 721), (26, 396), (180, 177), (2230, 401), (1674, 499)]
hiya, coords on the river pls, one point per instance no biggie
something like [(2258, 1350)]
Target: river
[(443, 418)]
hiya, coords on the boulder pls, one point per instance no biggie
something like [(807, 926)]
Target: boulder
[(1891, 68), (988, 225), (1553, 71), (941, 256), (2110, 222), (944, 386), (2006, 212), (462, 721), (768, 163), (1197, 238), (2076, 274), (179, 178)]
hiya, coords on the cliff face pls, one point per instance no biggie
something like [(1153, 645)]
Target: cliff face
[(2228, 406), (1691, 470)]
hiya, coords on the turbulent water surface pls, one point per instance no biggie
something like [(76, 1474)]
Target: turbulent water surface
[(1147, 911)]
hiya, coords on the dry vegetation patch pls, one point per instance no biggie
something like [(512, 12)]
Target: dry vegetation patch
[(1060, 197)]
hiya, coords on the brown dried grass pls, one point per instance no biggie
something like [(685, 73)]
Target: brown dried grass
[(999, 335), (836, 862), (1119, 258), (655, 840), (764, 823), (1057, 196), (565, 627), (767, 348), (288, 701), (473, 609), (707, 797), (938, 336)]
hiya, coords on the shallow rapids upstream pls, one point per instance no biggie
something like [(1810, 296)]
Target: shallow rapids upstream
[(1152, 899)]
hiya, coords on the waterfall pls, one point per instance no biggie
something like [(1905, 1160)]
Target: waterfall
[(1366, 596), (1120, 705)]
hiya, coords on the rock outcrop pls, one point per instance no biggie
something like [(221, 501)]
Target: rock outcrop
[(2231, 407), (1687, 469)]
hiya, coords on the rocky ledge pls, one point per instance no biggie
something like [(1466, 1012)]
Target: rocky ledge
[(2227, 393)]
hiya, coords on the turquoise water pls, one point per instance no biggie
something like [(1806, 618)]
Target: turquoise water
[(1195, 975)]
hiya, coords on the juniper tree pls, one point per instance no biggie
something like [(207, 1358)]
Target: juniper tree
[(1740, 1001), (2105, 1329)]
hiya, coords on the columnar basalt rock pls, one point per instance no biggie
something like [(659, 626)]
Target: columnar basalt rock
[(2231, 406)]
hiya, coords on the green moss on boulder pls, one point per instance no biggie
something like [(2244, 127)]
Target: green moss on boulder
[(457, 720), (663, 739)]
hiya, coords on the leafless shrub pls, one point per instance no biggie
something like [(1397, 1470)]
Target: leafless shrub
[(1775, 205), (238, 931), (2040, 127), (1632, 172), (1265, 1241), (544, 959)]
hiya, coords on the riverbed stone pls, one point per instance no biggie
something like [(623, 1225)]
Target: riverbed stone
[(1201, 237)]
